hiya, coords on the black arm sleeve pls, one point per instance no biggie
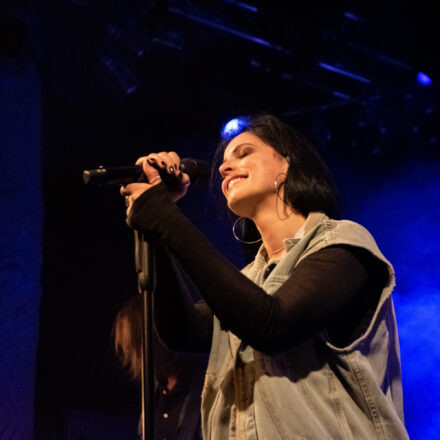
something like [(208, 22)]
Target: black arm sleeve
[(181, 324), (319, 287)]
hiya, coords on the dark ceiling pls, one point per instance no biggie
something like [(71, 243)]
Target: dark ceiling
[(345, 72)]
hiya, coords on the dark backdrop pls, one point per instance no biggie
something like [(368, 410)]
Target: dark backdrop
[(85, 83)]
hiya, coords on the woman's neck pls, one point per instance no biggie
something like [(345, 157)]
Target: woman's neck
[(275, 225)]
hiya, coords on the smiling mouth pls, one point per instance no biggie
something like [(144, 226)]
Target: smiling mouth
[(234, 181)]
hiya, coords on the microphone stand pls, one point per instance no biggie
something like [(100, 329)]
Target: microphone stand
[(146, 273)]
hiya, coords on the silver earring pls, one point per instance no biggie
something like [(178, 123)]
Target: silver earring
[(276, 183), (239, 239)]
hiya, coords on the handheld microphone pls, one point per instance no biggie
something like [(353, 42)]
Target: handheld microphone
[(101, 176)]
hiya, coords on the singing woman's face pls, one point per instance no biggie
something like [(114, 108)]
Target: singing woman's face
[(249, 171)]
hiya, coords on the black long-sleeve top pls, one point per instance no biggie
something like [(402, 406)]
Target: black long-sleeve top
[(335, 288)]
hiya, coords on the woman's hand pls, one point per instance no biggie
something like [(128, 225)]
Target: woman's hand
[(151, 164)]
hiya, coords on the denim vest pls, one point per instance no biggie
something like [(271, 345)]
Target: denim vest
[(315, 390)]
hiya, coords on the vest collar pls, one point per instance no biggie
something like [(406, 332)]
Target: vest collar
[(313, 219)]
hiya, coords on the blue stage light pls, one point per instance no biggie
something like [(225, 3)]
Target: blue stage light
[(423, 79), (234, 127)]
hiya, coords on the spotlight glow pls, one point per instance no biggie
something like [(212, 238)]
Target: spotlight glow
[(423, 79), (234, 127)]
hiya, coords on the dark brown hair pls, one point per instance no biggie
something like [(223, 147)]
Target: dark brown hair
[(308, 186), (127, 337)]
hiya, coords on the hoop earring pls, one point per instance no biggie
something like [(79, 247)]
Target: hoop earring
[(276, 183), (239, 239)]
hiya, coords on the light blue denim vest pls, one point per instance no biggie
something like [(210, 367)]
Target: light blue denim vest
[(314, 390)]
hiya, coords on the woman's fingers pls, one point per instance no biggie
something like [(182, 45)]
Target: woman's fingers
[(163, 162), (141, 160), (149, 168), (132, 191), (167, 161), (175, 160), (123, 191)]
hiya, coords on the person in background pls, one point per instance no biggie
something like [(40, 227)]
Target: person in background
[(179, 377)]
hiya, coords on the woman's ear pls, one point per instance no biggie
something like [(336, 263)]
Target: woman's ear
[(286, 164)]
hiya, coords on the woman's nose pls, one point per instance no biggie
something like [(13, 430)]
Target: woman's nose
[(224, 168)]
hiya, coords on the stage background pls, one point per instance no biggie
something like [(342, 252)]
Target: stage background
[(88, 83)]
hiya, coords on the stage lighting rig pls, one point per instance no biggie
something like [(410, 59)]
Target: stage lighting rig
[(120, 75)]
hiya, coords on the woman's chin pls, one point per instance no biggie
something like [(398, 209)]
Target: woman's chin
[(239, 207)]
